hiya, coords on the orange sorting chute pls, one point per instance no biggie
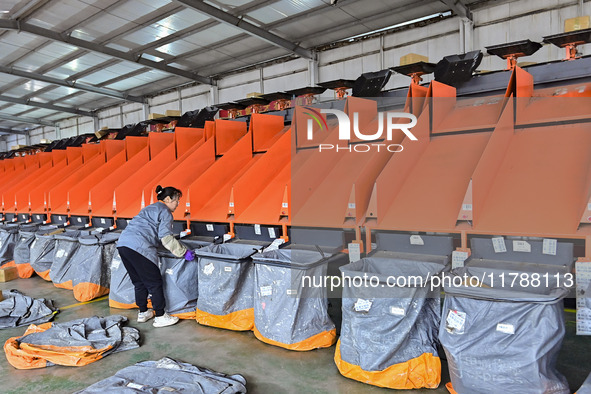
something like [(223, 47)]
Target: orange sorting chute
[(238, 321), (321, 340), (419, 372)]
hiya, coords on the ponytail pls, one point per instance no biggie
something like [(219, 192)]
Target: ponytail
[(169, 191)]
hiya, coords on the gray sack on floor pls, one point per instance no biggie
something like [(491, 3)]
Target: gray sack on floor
[(18, 310), (168, 375)]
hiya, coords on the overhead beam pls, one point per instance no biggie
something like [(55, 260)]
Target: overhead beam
[(12, 131), (248, 27), (53, 35), (72, 84), (459, 8), (20, 119), (52, 107)]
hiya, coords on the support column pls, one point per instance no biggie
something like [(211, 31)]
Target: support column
[(466, 35), (214, 95), (313, 71), (146, 108)]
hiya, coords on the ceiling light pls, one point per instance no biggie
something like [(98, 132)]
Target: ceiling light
[(4, 12)]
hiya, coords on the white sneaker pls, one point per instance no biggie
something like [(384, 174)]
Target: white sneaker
[(165, 320), (143, 317)]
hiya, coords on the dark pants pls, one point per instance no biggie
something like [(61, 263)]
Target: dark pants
[(146, 279)]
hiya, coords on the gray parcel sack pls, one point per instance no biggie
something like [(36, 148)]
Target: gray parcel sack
[(288, 312), (96, 336), (226, 286), (41, 254), (168, 375), (62, 273), (180, 277), (8, 238), (17, 309), (90, 265), (504, 337), (390, 328), (22, 248)]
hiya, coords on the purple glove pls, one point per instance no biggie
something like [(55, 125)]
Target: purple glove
[(189, 256)]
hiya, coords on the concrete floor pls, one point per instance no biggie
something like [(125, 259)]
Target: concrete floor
[(268, 369)]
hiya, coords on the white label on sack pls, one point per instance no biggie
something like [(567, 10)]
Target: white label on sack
[(115, 263), (226, 237), (506, 328), (272, 232), (79, 220), (291, 292), (228, 269), (60, 253), (209, 227), (208, 269), (362, 305), (354, 252), (38, 217), (397, 311), (521, 246), (60, 218), (135, 386), (455, 321), (416, 240), (466, 207), (499, 245), (183, 234), (458, 258), (549, 247), (266, 291), (103, 221), (169, 271), (351, 205), (257, 229)]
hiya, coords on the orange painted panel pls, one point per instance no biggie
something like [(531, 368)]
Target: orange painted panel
[(227, 132), (73, 153), (102, 192), (186, 137), (264, 129), (79, 193), (111, 148), (267, 207), (129, 193), (158, 142), (431, 195), (39, 194), (90, 150), (220, 173), (541, 184), (60, 191), (134, 145)]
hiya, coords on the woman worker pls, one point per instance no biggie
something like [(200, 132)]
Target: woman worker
[(137, 247)]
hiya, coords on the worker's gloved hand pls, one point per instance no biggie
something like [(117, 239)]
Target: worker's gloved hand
[(189, 256)]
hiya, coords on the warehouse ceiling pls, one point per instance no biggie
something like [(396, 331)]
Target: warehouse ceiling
[(71, 57)]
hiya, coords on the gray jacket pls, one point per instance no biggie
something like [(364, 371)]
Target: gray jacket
[(146, 231)]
